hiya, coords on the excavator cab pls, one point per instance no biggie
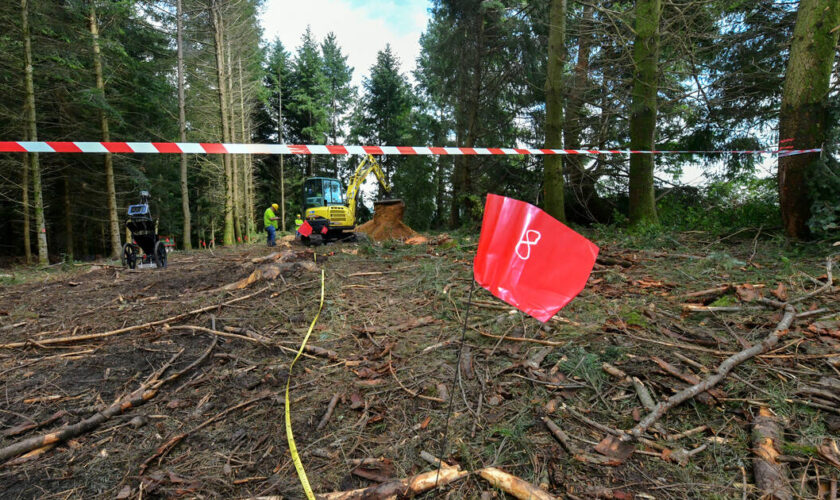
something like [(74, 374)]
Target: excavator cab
[(322, 191), (329, 211)]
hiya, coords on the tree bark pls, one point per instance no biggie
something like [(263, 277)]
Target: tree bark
[(218, 36), (68, 219), (37, 194), (246, 163), (643, 110), (553, 164), (804, 115), (769, 472), (24, 200), (182, 129), (113, 221), (235, 169), (280, 141)]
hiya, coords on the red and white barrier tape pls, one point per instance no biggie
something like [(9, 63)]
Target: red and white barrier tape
[(319, 149)]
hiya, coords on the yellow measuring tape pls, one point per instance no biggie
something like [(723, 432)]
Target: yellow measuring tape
[(292, 448)]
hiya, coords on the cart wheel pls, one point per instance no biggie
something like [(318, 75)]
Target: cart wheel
[(160, 254), (129, 256)]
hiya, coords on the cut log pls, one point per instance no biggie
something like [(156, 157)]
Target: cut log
[(404, 488), (513, 486), (770, 477)]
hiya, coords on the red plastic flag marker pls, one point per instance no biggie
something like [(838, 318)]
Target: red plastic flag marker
[(324, 230), (529, 259), (305, 229)]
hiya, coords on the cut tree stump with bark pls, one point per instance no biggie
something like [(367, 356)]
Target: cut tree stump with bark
[(770, 474)]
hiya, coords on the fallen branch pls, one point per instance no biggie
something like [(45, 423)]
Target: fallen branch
[(406, 389), (328, 414), (560, 435), (144, 393), (711, 381), (173, 441), (711, 293), (513, 486), (404, 488), (144, 326), (520, 339), (769, 472), (704, 397)]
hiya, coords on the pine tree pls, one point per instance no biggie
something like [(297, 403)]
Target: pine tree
[(340, 94), (307, 109), (385, 107)]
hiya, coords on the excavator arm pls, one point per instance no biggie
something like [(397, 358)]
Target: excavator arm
[(368, 164)]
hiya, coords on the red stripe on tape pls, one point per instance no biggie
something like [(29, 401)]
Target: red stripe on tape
[(522, 151), (166, 147), (373, 150), (548, 151), (468, 151), (495, 151), (64, 147), (11, 147), (214, 148), (337, 150), (122, 147), (438, 150), (298, 149), (406, 150)]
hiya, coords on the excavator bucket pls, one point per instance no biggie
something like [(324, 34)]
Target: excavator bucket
[(387, 222)]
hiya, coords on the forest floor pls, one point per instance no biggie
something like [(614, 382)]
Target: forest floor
[(388, 337)]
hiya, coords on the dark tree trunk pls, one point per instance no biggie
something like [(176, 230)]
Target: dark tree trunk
[(803, 116), (643, 110), (553, 164)]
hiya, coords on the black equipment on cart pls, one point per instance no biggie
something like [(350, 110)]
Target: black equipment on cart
[(144, 237)]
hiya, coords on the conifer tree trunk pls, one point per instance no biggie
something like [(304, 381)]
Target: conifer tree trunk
[(280, 141), (804, 115), (643, 110), (218, 35), (246, 159), (237, 188), (37, 194), (553, 170), (182, 129), (68, 219), (24, 199), (113, 221)]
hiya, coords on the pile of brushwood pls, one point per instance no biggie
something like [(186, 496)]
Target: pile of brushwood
[(710, 369)]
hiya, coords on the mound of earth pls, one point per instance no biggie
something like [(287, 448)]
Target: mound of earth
[(387, 222)]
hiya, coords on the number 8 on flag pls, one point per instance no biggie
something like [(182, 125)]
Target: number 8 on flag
[(529, 259)]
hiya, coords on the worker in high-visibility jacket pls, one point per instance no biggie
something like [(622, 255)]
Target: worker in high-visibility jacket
[(270, 221), (298, 223)]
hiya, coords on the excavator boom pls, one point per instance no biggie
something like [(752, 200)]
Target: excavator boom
[(362, 171)]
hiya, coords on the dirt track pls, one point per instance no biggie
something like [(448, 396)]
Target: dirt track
[(390, 311)]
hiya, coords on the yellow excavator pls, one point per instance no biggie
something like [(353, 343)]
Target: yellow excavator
[(330, 212)]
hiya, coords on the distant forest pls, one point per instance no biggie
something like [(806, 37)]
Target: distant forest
[(649, 74)]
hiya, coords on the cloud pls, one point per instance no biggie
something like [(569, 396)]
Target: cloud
[(362, 28)]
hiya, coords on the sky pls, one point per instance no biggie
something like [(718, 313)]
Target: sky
[(362, 28)]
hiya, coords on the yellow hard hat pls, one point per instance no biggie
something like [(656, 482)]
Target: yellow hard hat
[(275, 206)]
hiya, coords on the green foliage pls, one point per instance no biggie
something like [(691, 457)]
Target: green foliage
[(722, 206)]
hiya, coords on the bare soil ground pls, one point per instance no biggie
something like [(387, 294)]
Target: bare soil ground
[(392, 318)]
